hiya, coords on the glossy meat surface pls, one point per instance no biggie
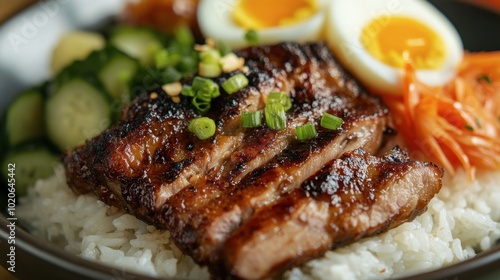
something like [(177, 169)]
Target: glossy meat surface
[(354, 196), (215, 196)]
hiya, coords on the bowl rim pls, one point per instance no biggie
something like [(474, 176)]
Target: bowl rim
[(57, 256), (486, 261)]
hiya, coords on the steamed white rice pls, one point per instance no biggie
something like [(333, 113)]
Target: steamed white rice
[(461, 221)]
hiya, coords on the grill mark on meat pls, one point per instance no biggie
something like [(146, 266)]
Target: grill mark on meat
[(262, 73), (315, 89), (142, 155), (206, 193), (378, 194), (213, 223)]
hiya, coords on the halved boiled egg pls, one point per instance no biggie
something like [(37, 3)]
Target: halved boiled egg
[(274, 21), (375, 39)]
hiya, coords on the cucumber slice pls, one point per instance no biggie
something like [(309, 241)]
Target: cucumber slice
[(26, 165), (23, 120), (114, 69), (77, 110), (116, 76), (74, 46), (138, 42)]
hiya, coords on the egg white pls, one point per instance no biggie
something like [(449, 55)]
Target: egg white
[(215, 21), (346, 20)]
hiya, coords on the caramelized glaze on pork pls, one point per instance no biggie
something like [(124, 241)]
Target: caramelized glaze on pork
[(251, 202)]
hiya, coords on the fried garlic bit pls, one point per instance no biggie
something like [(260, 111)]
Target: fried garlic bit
[(153, 95), (229, 62), (202, 48), (173, 90)]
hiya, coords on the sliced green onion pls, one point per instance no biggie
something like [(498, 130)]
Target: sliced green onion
[(204, 95), (210, 56), (209, 70), (223, 48), (332, 122), (200, 83), (235, 83), (275, 116), (215, 93), (252, 37), (280, 97), (188, 91), (200, 105), (305, 132), (203, 127), (202, 90), (251, 119), (469, 128)]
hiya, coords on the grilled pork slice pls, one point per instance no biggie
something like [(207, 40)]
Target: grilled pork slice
[(354, 196), (205, 192), (203, 215), (201, 230), (147, 158)]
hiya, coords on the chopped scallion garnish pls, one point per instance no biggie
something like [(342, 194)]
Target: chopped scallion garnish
[(275, 116), (200, 83), (305, 132), (201, 105), (251, 119), (252, 37), (202, 90), (469, 128), (209, 70), (235, 83), (223, 48), (280, 97), (210, 56), (203, 127), (332, 122), (204, 95), (188, 91)]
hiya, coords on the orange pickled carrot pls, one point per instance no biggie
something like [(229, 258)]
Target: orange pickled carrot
[(456, 125)]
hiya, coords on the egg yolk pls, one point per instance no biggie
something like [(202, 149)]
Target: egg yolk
[(396, 40), (259, 14)]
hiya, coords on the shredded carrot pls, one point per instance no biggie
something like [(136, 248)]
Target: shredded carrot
[(457, 125)]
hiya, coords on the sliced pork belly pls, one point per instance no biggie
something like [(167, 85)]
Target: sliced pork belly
[(354, 196), (208, 193)]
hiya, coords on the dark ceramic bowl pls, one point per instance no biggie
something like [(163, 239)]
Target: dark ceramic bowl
[(26, 42)]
